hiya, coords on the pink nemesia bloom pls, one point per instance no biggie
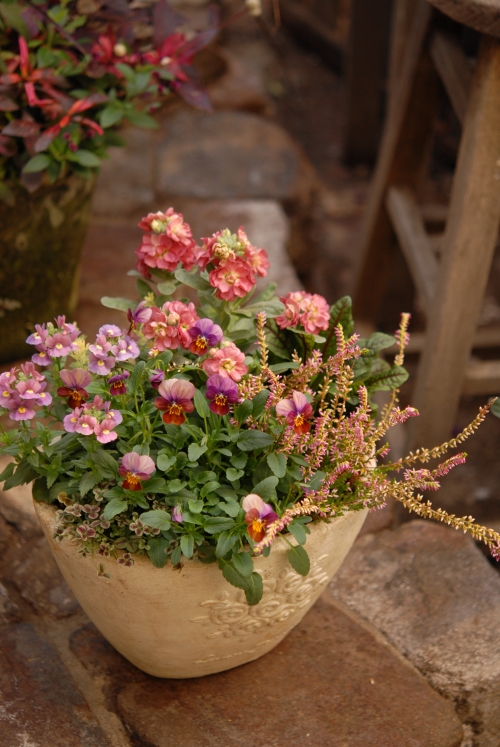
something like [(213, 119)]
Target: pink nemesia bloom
[(41, 357), (44, 399), (19, 408), (126, 349), (30, 389), (71, 420), (233, 279), (135, 468), (59, 345), (29, 370), (86, 424), (175, 400), (101, 366), (104, 431), (102, 346), (297, 410), (257, 516), (109, 330), (39, 336), (227, 361)]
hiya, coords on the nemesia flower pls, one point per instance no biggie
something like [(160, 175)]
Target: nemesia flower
[(19, 408), (205, 334), (41, 357), (75, 381), (177, 514), (297, 410), (156, 378), (140, 315), (126, 349), (175, 400), (135, 468), (39, 336), (100, 365), (104, 431), (221, 392), (117, 384), (257, 516), (233, 279), (101, 347), (71, 420), (110, 330), (228, 361), (86, 425), (59, 345)]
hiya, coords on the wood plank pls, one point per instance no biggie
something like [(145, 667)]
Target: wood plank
[(407, 221), (433, 212), (482, 15), (469, 243), (406, 132), (482, 377), (454, 70), (313, 33)]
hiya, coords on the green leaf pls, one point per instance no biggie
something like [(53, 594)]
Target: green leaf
[(157, 519), (167, 288), (387, 380), (259, 402), (106, 464), (86, 158), (154, 485), (272, 308), (143, 288), (232, 576), (243, 563), (113, 508), (285, 366), (340, 313), (252, 439), (192, 281), (164, 462), (277, 462), (239, 460), (225, 543), (23, 475), (88, 481), (195, 451), (156, 551), (206, 553), (210, 487), (175, 556), (121, 304), (379, 341), (187, 545), (298, 532), (40, 490), (141, 119), (243, 411), (111, 114), (36, 164), (266, 488), (299, 560), (196, 507), (230, 507), (8, 471), (216, 524), (234, 474), (12, 16), (255, 589), (201, 404)]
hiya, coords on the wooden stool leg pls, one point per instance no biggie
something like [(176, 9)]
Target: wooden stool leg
[(469, 242), (409, 122)]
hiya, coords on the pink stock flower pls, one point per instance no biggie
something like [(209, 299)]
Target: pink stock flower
[(297, 411), (256, 258), (175, 399), (233, 279), (227, 361), (310, 310), (135, 468), (257, 516), (169, 326), (168, 243), (290, 316)]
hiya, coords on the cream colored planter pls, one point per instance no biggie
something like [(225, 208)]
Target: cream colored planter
[(191, 622)]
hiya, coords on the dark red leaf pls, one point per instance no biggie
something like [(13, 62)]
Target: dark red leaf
[(45, 139), (7, 146), (32, 181), (21, 128), (198, 42), (165, 21), (7, 104), (194, 95)]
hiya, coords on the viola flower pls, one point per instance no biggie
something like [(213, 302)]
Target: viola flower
[(205, 334), (75, 381), (117, 384), (227, 361), (135, 468), (140, 315), (104, 431), (233, 279), (175, 400), (221, 392), (101, 366), (258, 515), (177, 514), (157, 377), (297, 412)]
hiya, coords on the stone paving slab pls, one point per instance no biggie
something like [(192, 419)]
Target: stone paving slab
[(329, 684), (436, 598), (40, 705)]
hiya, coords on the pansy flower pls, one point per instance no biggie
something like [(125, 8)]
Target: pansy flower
[(156, 378), (117, 384), (140, 315), (205, 334), (258, 515), (221, 393), (135, 468), (175, 400), (297, 411), (75, 381)]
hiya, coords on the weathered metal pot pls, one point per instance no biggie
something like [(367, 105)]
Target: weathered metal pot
[(41, 239), (191, 622)]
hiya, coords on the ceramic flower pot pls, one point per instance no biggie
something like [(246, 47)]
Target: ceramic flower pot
[(191, 622), (41, 239)]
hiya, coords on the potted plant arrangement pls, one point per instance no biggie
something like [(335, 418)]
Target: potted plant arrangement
[(71, 74), (201, 473)]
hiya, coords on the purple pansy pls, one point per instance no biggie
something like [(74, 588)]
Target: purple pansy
[(175, 400), (221, 392), (156, 379), (75, 381), (140, 315), (297, 411), (135, 468), (117, 384), (205, 334), (257, 516)]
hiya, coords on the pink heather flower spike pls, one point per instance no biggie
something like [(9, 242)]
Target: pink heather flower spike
[(297, 412), (117, 384), (205, 334), (175, 400), (222, 393), (227, 361), (135, 468), (257, 516), (75, 381)]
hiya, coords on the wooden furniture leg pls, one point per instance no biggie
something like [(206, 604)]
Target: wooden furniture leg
[(468, 246)]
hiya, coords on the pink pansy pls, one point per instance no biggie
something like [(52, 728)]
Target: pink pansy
[(104, 431), (110, 330), (233, 279), (19, 408), (175, 400), (101, 366), (297, 411), (258, 515), (59, 345), (86, 425), (227, 361), (315, 314), (135, 468)]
